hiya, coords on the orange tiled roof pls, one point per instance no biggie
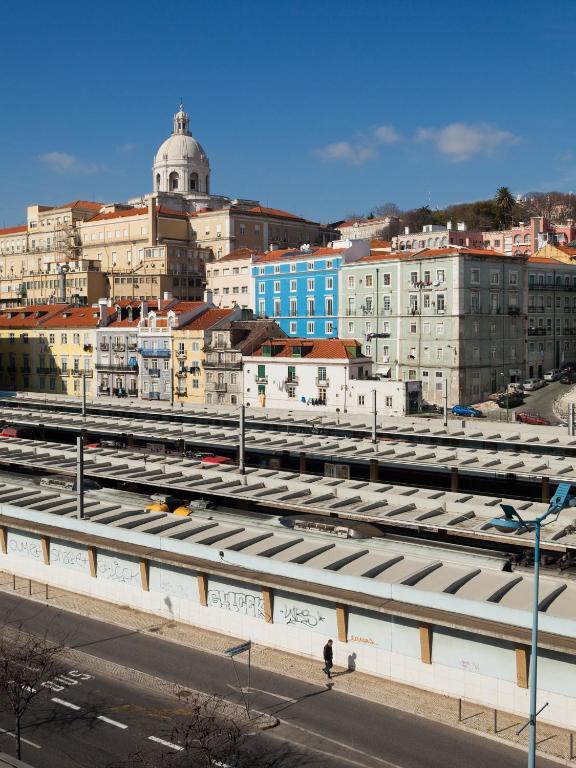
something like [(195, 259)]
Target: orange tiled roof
[(119, 214), (565, 249), (207, 319), (546, 260), (329, 349), (29, 317), (295, 253), (86, 204), (76, 317), (13, 230)]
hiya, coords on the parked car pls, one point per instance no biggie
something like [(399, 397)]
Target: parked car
[(216, 460), (553, 375), (532, 418), (466, 410), (568, 378), (532, 384)]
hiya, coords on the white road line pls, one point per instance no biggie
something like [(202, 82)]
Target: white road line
[(259, 690), (341, 744), (166, 743), (111, 722), (65, 703), (13, 736)]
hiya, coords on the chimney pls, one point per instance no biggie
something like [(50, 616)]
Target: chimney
[(406, 230), (273, 247), (461, 226), (208, 296), (448, 225), (103, 314), (168, 296)]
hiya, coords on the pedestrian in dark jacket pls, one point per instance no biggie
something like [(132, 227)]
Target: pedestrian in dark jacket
[(328, 656)]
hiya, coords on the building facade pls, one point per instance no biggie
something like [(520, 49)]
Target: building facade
[(299, 290), (381, 227), (451, 317), (230, 278), (438, 236)]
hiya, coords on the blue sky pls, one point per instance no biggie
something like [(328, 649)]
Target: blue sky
[(321, 108)]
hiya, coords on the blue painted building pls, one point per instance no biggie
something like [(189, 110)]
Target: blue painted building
[(299, 290)]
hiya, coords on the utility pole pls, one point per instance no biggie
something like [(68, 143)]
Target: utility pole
[(241, 462), (374, 417), (80, 476), (84, 394), (571, 419), (445, 398)]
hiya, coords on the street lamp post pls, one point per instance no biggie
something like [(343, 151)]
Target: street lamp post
[(513, 521)]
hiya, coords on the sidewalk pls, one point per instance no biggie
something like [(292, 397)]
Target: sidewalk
[(554, 743)]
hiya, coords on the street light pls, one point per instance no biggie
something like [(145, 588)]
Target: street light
[(512, 521)]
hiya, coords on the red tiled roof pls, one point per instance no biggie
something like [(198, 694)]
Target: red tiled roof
[(546, 260), (86, 204), (163, 211), (333, 349), (76, 317), (456, 249), (380, 244), (295, 253), (207, 319), (565, 249), (275, 212), (119, 214), (14, 230), (29, 317)]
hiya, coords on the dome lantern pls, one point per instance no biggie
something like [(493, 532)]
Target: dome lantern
[(181, 165)]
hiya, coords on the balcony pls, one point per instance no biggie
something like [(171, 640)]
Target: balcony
[(513, 310), (154, 352), (153, 396), (132, 346), (322, 382), (229, 365), (153, 372), (181, 373), (104, 390), (220, 386), (536, 331), (78, 373), (291, 380), (181, 355), (261, 379), (132, 392), (104, 346), (127, 367), (116, 347)]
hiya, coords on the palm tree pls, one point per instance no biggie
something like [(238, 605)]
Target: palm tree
[(505, 202)]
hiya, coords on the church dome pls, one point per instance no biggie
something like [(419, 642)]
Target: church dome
[(181, 164)]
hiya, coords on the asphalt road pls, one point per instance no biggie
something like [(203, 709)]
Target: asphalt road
[(336, 730), (540, 401)]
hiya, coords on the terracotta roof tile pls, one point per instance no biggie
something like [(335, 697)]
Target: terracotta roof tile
[(329, 349), (207, 319), (241, 253), (86, 204), (119, 214), (295, 253), (14, 230)]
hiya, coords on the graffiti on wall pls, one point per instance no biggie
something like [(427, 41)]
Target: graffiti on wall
[(117, 570), (68, 557), (24, 547), (236, 602), (296, 614)]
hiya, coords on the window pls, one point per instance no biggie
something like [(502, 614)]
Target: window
[(426, 301), (386, 303), (310, 306), (494, 277), (277, 269), (310, 266), (310, 284), (387, 278), (293, 286), (427, 280), (261, 308), (440, 329), (293, 307), (276, 307), (351, 327), (276, 286), (475, 276), (440, 302), (329, 264), (292, 328), (310, 328), (440, 275), (261, 287), (369, 281), (413, 278), (439, 353), (291, 391), (329, 305), (329, 283), (321, 373), (412, 327), (438, 378), (388, 401), (513, 278), (351, 281), (293, 267), (242, 229), (64, 338)]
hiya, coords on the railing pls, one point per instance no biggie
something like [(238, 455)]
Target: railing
[(220, 386), (118, 347), (153, 372), (154, 352), (115, 367), (132, 346), (536, 331), (261, 379), (228, 364), (513, 310), (181, 354), (104, 346), (291, 380), (132, 392), (322, 382), (182, 373)]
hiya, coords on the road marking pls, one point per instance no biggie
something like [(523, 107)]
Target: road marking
[(166, 743), (13, 736), (259, 690), (341, 744), (65, 703), (111, 722)]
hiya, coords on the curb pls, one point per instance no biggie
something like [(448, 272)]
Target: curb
[(265, 721)]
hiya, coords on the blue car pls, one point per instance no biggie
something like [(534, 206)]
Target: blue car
[(466, 410)]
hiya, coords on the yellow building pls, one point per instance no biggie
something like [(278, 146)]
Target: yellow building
[(188, 353), (48, 348), (563, 253)]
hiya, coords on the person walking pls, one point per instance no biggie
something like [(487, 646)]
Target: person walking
[(328, 659)]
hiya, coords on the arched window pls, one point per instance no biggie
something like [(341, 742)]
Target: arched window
[(157, 182), (444, 242), (527, 239), (429, 242), (516, 239), (193, 181), (173, 180)]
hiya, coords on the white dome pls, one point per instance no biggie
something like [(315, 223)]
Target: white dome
[(180, 147), (181, 165)]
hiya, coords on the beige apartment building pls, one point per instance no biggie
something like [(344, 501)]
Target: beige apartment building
[(230, 278)]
